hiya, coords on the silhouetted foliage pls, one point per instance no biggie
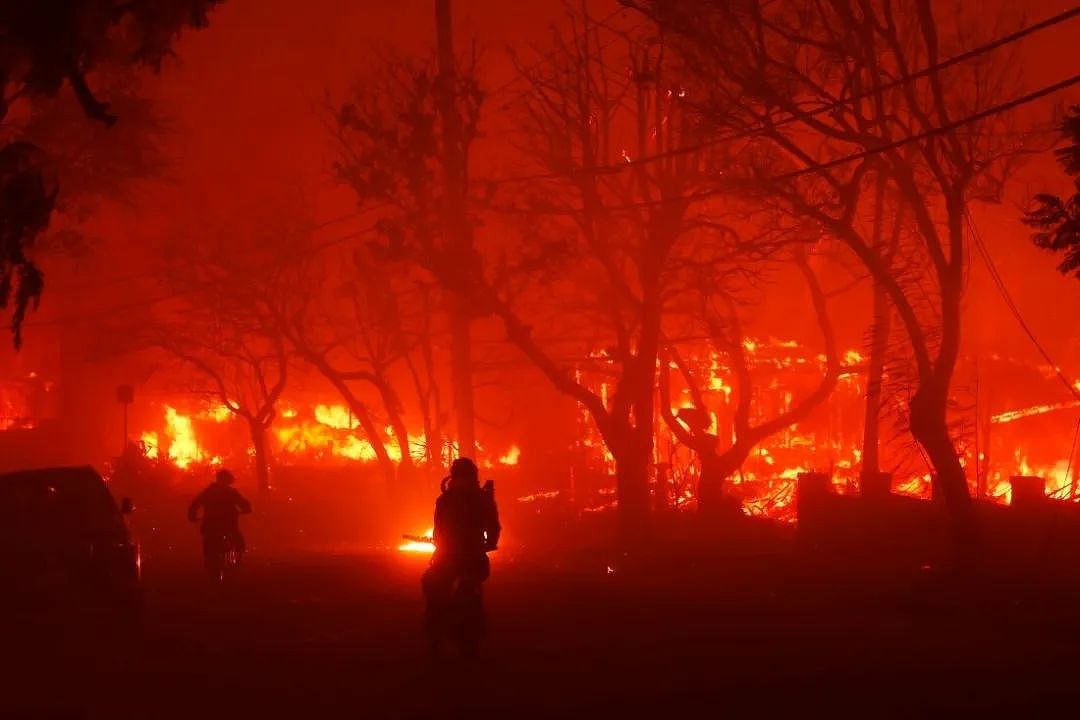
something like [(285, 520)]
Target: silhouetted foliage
[(49, 42), (1057, 219), (43, 45), (27, 194), (96, 162)]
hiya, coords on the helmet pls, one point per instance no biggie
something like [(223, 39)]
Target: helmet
[(464, 473), (225, 477)]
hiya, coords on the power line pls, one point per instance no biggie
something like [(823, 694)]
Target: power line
[(934, 132), (869, 152), (999, 283), (903, 80), (830, 107)]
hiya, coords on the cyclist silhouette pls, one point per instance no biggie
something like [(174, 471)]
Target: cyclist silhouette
[(221, 507), (466, 529)]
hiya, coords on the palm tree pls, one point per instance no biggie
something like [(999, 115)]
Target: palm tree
[(1056, 219)]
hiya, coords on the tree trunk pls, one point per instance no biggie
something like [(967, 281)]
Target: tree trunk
[(929, 405), (458, 231), (716, 468), (711, 482), (363, 417), (929, 427), (406, 470), (879, 342), (871, 458), (392, 405), (461, 369), (359, 410), (423, 399), (632, 460), (983, 432), (261, 459)]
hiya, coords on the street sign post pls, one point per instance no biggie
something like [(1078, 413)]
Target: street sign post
[(125, 395)]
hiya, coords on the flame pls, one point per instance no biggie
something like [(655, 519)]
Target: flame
[(338, 417), (716, 379), (183, 449), (1058, 477), (511, 456), (150, 441), (853, 357), (1001, 492), (413, 546), (358, 449), (327, 432), (918, 487), (416, 443), (219, 413)]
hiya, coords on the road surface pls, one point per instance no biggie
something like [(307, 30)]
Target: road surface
[(337, 634)]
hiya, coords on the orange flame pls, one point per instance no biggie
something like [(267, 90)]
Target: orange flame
[(412, 546), (150, 444), (183, 448), (511, 456)]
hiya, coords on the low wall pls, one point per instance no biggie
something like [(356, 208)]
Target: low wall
[(1034, 532)]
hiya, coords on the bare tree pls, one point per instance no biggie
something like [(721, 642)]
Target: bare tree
[(831, 97), (221, 275), (243, 363), (404, 136), (364, 326), (617, 233), (721, 316)]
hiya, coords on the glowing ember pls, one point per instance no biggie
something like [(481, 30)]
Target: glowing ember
[(1013, 415), (545, 495)]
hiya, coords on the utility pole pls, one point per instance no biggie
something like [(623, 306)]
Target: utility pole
[(457, 241)]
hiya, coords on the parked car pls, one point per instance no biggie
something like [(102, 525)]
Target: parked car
[(63, 538)]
